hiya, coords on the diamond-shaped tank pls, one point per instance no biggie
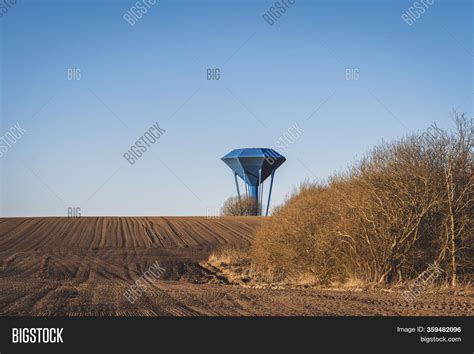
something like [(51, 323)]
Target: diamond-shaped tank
[(254, 165)]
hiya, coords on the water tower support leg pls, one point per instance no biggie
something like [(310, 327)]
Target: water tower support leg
[(259, 195), (237, 185), (270, 192), (246, 186)]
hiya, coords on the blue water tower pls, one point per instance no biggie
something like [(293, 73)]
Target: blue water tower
[(254, 166)]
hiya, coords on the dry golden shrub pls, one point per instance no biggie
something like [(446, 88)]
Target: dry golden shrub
[(404, 206)]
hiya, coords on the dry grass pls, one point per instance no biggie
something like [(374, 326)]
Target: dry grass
[(234, 264), (231, 263)]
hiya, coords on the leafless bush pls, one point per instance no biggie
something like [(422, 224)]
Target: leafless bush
[(405, 205), (244, 206)]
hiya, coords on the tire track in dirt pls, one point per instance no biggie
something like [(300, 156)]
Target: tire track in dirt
[(148, 229)]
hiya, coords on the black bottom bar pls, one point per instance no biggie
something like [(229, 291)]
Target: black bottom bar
[(218, 334)]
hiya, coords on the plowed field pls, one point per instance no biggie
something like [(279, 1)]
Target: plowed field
[(82, 266)]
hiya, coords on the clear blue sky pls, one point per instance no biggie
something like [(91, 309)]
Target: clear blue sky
[(155, 71)]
